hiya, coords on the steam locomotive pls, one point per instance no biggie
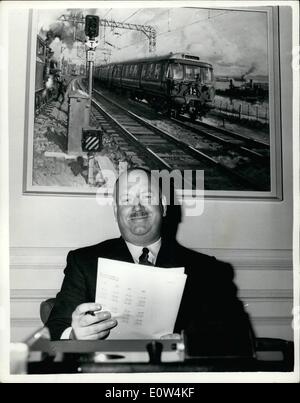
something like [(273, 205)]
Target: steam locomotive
[(171, 84), (45, 74)]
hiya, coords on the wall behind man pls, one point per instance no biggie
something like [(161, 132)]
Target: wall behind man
[(255, 236)]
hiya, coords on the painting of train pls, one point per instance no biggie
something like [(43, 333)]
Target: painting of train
[(171, 88)]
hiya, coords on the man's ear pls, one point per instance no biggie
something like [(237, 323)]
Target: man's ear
[(164, 205), (115, 207)]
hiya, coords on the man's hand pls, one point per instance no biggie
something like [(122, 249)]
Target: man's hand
[(91, 327)]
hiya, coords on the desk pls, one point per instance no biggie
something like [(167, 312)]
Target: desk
[(79, 357), (224, 365)]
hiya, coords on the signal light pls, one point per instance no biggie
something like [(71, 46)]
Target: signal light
[(91, 26)]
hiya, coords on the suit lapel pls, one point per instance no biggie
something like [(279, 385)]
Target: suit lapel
[(167, 256), (120, 251), (123, 252)]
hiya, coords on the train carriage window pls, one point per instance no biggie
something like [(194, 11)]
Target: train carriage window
[(117, 71), (135, 71), (164, 68), (144, 71), (147, 71), (150, 72), (157, 71)]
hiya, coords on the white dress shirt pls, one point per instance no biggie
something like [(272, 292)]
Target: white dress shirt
[(135, 252)]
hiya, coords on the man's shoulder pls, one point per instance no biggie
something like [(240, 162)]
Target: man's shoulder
[(192, 255), (202, 263), (97, 250)]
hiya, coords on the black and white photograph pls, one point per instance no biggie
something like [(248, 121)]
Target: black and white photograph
[(150, 168), (180, 103)]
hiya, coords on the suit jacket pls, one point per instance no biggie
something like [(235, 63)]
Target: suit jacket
[(210, 313)]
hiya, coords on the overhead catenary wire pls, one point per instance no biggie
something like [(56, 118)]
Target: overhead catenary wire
[(127, 18), (176, 29), (130, 16), (107, 13)]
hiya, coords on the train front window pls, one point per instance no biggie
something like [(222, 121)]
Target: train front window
[(175, 71), (206, 74), (202, 74), (192, 72)]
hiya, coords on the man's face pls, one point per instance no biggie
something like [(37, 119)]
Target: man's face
[(138, 208)]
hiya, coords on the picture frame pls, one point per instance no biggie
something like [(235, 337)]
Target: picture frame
[(44, 168)]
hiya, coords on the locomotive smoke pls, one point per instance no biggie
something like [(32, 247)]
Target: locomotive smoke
[(66, 33), (49, 82), (61, 31), (64, 30), (249, 71)]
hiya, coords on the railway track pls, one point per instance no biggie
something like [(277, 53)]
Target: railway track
[(165, 150), (254, 149), (247, 146)]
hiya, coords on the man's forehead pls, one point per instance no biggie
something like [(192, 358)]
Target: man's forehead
[(136, 180)]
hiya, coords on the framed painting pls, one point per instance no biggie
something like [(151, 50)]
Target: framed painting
[(182, 89)]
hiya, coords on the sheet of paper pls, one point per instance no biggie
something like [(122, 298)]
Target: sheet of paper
[(144, 299)]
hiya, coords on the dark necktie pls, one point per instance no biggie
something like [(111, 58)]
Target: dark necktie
[(143, 259)]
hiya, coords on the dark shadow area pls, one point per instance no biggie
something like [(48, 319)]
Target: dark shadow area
[(173, 216), (57, 138), (78, 167)]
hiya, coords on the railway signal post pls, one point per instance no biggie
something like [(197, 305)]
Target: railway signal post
[(91, 137), (91, 31)]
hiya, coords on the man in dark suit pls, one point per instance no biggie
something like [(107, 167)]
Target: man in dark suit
[(210, 313)]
